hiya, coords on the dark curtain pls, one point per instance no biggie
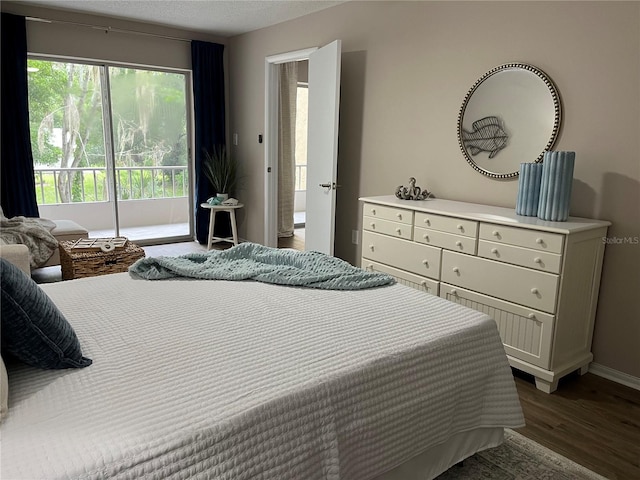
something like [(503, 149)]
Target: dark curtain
[(18, 194), (208, 96)]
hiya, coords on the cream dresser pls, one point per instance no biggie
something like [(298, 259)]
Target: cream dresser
[(539, 280)]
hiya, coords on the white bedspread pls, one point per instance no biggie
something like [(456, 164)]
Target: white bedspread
[(239, 380)]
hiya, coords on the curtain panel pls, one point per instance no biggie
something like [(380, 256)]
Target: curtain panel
[(209, 110), (18, 190), (287, 147)]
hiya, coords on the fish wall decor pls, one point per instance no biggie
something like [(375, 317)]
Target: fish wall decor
[(488, 135)]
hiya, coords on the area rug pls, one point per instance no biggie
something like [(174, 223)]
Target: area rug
[(518, 458)]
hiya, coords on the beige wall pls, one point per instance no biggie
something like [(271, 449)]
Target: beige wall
[(406, 68)]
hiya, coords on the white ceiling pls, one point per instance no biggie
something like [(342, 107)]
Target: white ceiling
[(218, 17)]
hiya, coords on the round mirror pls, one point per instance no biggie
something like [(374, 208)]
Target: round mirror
[(510, 116)]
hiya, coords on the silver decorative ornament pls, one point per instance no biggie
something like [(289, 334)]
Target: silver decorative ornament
[(412, 192)]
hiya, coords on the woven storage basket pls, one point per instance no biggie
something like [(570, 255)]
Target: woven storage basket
[(79, 264)]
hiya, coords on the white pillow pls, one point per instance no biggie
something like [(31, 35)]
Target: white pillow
[(4, 390)]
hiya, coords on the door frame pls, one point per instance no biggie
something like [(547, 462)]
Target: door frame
[(272, 85)]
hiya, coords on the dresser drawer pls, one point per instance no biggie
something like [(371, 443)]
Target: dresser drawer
[(526, 333), (395, 229), (399, 215), (526, 257), (449, 241), (468, 228), (508, 282), (403, 278), (520, 237), (403, 254)]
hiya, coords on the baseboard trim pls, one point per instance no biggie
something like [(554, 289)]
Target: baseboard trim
[(615, 375)]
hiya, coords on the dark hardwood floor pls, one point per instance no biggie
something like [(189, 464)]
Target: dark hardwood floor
[(591, 420), (296, 241)]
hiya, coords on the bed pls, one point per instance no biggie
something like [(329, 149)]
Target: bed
[(248, 380)]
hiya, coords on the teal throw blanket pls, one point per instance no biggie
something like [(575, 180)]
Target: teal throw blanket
[(250, 261)]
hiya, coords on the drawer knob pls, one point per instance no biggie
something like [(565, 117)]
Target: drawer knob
[(425, 263), (495, 233), (427, 221), (371, 247), (535, 291), (532, 315), (370, 267), (539, 241), (373, 225), (494, 250), (454, 292), (373, 211), (398, 231), (456, 269), (423, 283), (399, 215), (460, 227), (426, 237), (537, 260), (458, 243)]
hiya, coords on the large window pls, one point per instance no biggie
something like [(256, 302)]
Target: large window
[(302, 115), (114, 135), (67, 134)]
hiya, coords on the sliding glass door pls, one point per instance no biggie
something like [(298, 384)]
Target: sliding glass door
[(110, 147)]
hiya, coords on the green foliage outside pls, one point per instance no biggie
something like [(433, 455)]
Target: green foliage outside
[(137, 185), (66, 126), (95, 190)]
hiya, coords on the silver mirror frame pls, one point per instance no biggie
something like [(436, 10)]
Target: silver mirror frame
[(555, 96)]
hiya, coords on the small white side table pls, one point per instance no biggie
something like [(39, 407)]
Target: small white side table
[(212, 221)]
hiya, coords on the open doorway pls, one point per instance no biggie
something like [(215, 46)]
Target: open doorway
[(302, 121), (322, 141), (292, 153)]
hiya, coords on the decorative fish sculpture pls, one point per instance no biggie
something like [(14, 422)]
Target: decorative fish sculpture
[(488, 135)]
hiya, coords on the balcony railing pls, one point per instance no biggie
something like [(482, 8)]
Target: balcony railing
[(301, 178), (84, 185), (80, 185)]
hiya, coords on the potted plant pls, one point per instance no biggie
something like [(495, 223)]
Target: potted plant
[(221, 170)]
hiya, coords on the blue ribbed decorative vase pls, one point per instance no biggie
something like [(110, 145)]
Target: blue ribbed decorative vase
[(555, 187), (529, 189)]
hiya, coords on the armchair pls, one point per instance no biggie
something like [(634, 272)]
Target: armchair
[(17, 254)]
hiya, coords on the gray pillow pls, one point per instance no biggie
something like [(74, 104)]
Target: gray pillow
[(33, 329)]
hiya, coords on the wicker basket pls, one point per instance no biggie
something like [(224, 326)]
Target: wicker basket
[(83, 263)]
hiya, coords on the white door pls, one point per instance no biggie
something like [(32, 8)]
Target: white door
[(322, 147)]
